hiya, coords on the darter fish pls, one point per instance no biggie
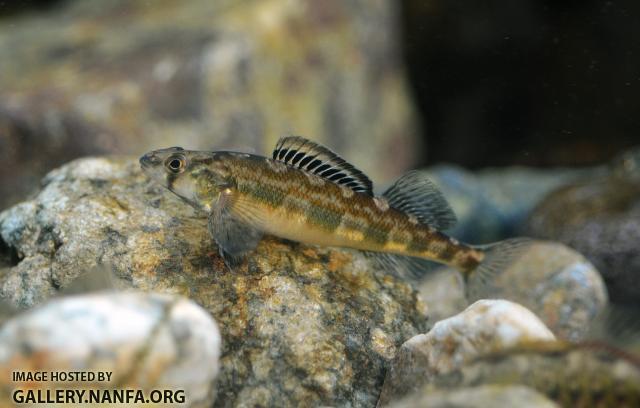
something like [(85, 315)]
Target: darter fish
[(309, 194)]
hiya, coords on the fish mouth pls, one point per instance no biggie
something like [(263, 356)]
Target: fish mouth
[(149, 160)]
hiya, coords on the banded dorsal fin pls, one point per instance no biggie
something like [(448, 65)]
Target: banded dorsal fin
[(416, 195), (319, 160)]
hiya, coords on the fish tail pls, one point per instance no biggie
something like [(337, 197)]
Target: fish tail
[(483, 281)]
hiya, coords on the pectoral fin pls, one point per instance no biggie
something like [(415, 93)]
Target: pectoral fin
[(234, 238)]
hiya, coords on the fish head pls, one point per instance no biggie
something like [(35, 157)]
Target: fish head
[(196, 177)]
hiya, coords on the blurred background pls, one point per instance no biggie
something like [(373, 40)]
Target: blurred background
[(525, 113), (389, 85), (485, 87)]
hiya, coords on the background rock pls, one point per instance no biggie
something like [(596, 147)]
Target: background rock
[(146, 341), (128, 77), (486, 326), (300, 325), (445, 289), (556, 283), (492, 204), (486, 396), (601, 219)]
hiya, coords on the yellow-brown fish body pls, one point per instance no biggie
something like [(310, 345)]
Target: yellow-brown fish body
[(284, 201), (314, 198)]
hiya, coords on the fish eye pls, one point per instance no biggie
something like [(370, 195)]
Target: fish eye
[(175, 164)]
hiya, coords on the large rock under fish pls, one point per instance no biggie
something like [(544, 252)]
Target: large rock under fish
[(486, 326), (136, 340), (300, 325), (123, 76)]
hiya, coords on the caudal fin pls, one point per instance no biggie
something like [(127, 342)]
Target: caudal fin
[(484, 281)]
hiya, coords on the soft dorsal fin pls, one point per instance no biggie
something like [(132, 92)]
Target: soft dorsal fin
[(416, 195), (319, 160)]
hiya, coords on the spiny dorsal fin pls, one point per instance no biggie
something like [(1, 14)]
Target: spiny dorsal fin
[(319, 160), (416, 195)]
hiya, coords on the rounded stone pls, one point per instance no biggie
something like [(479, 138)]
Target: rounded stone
[(136, 340), (485, 327), (600, 218), (556, 283)]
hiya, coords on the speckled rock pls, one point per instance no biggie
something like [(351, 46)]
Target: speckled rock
[(589, 375), (146, 341), (556, 283), (300, 325), (492, 204), (127, 77), (486, 326), (601, 219), (553, 281), (485, 396)]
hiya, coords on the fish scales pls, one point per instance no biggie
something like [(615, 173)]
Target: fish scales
[(296, 206)]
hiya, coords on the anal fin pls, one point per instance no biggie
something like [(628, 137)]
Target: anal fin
[(406, 267)]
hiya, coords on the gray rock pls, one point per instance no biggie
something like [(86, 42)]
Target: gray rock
[(484, 396), (119, 76), (445, 290), (300, 325), (485, 327), (601, 219), (588, 375), (145, 341), (492, 204), (556, 283)]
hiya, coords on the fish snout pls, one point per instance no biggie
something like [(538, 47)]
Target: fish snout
[(149, 160)]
